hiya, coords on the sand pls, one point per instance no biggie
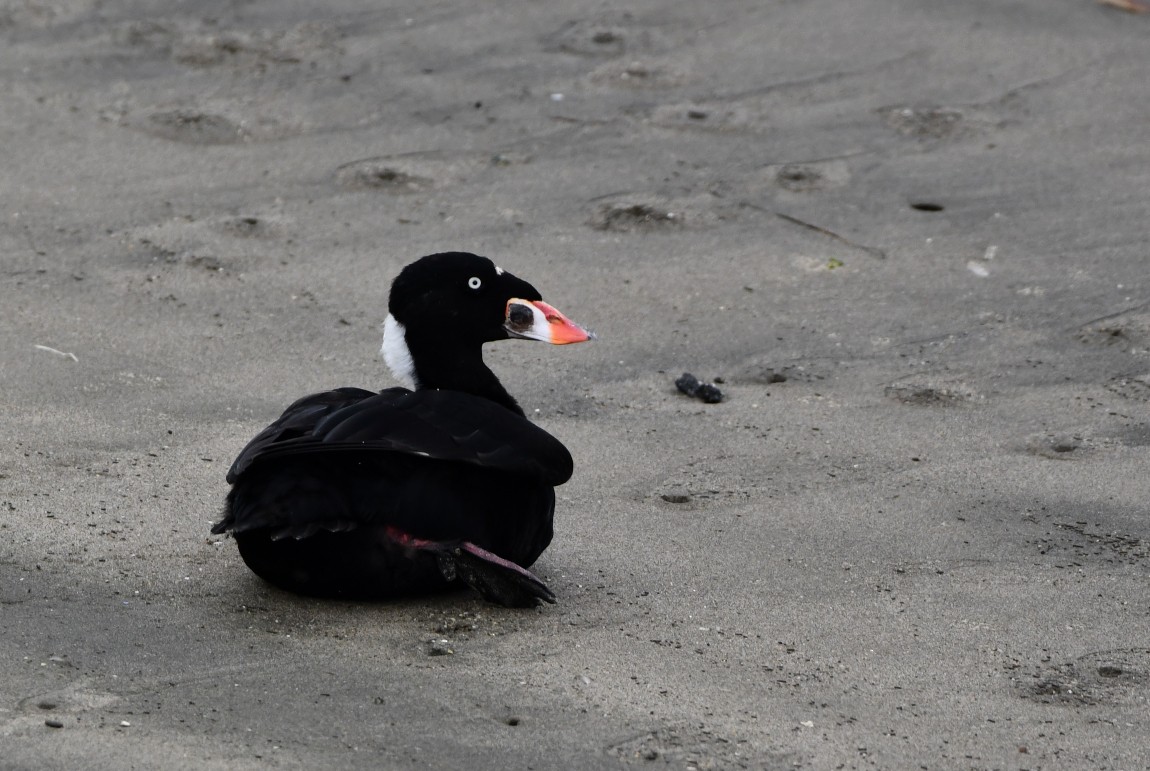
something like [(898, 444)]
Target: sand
[(908, 238)]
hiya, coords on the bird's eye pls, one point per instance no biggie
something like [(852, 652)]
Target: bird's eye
[(474, 282)]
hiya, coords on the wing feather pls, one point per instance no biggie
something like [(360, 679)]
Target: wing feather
[(441, 425)]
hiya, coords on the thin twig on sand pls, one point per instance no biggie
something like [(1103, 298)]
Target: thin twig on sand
[(868, 249), (65, 354)]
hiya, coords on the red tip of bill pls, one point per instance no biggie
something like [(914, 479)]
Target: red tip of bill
[(563, 330)]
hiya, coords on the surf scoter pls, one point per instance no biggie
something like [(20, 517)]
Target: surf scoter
[(364, 495)]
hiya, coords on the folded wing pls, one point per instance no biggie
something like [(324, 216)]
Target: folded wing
[(440, 425)]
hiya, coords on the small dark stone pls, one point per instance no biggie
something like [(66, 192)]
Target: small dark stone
[(690, 385), (709, 394), (675, 498), (53, 724), (1109, 670)]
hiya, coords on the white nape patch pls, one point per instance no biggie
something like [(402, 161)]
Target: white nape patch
[(396, 353), (498, 271)]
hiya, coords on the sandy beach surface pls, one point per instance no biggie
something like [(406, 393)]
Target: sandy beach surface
[(908, 240)]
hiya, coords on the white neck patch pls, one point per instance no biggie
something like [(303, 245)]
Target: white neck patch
[(396, 353)]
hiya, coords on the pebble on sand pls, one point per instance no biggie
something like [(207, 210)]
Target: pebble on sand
[(690, 385)]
